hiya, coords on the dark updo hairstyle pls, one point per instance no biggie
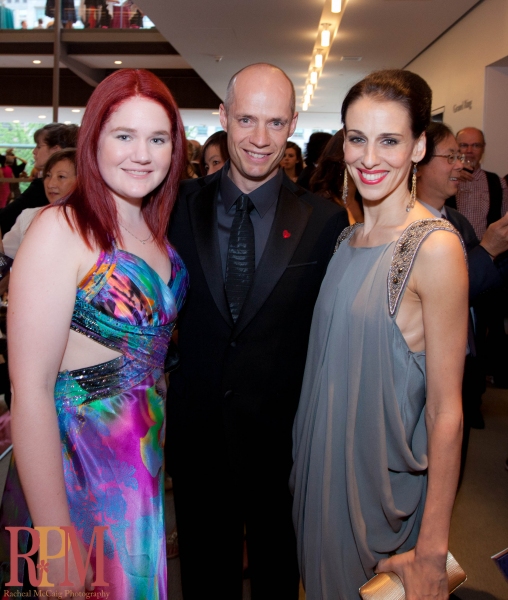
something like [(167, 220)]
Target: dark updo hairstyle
[(67, 154), (395, 85), (220, 139), (299, 157), (435, 134)]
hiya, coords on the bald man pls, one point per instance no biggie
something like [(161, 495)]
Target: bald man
[(242, 341), (482, 197)]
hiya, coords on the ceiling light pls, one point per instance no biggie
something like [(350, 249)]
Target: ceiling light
[(67, 122), (215, 113), (325, 35), (336, 6), (36, 62), (310, 89), (118, 62), (318, 60), (9, 110), (42, 116), (76, 110), (16, 121), (305, 106), (306, 99), (313, 77), (351, 58)]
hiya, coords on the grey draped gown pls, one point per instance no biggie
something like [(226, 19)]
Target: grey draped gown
[(360, 444)]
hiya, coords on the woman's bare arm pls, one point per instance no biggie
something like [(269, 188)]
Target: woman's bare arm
[(440, 280), (41, 300)]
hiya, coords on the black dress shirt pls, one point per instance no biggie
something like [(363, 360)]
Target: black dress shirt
[(264, 199)]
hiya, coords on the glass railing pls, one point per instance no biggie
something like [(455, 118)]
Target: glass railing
[(108, 14)]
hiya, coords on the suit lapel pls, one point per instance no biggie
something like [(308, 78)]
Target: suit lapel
[(291, 218), (203, 217)]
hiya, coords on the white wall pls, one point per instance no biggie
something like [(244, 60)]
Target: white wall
[(455, 68)]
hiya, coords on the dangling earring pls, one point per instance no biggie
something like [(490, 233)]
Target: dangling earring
[(344, 188), (412, 200)]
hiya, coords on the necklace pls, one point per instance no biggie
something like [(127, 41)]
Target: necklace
[(135, 236)]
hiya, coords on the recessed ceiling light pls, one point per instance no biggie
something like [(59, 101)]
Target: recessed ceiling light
[(215, 113), (118, 62), (67, 122), (76, 110), (9, 110), (42, 116), (37, 62), (16, 121)]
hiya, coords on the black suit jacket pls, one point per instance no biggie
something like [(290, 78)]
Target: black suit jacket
[(484, 274), (32, 197), (239, 384)]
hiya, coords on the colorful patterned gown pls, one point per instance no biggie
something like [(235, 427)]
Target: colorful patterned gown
[(112, 419)]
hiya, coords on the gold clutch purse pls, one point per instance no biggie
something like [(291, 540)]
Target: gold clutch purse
[(387, 586)]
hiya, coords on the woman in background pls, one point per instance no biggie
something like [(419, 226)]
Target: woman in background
[(378, 430), (59, 179), (292, 163), (214, 153), (5, 188), (328, 179), (94, 295)]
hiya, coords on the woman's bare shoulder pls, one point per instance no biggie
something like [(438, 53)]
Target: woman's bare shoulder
[(53, 236)]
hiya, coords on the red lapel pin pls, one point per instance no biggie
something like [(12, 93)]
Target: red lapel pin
[(286, 234)]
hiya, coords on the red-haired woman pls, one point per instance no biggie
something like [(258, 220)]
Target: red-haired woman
[(93, 298)]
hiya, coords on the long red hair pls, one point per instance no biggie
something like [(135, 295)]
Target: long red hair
[(94, 211)]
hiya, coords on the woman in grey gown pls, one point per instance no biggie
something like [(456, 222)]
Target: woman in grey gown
[(378, 430)]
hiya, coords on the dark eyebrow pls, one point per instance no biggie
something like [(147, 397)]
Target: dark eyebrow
[(385, 134)]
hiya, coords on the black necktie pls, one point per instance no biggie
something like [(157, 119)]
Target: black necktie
[(240, 264)]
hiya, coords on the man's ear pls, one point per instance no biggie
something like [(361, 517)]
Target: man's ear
[(292, 126), (223, 117)]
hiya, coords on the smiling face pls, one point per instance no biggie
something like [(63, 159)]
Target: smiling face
[(379, 148), (471, 144), (59, 180), (134, 150), (259, 122), (290, 159), (438, 180), (213, 159)]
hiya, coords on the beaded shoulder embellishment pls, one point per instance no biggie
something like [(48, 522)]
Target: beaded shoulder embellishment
[(404, 253), (345, 234)]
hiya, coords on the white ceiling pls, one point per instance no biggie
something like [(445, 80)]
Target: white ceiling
[(386, 33)]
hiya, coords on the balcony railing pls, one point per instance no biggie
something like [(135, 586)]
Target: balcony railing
[(111, 14)]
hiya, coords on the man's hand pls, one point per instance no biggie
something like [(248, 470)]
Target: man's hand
[(495, 239), (465, 175)]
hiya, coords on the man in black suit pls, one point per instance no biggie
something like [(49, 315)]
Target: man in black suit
[(232, 401), (438, 177)]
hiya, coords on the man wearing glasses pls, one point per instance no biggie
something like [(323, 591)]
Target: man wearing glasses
[(482, 197)]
